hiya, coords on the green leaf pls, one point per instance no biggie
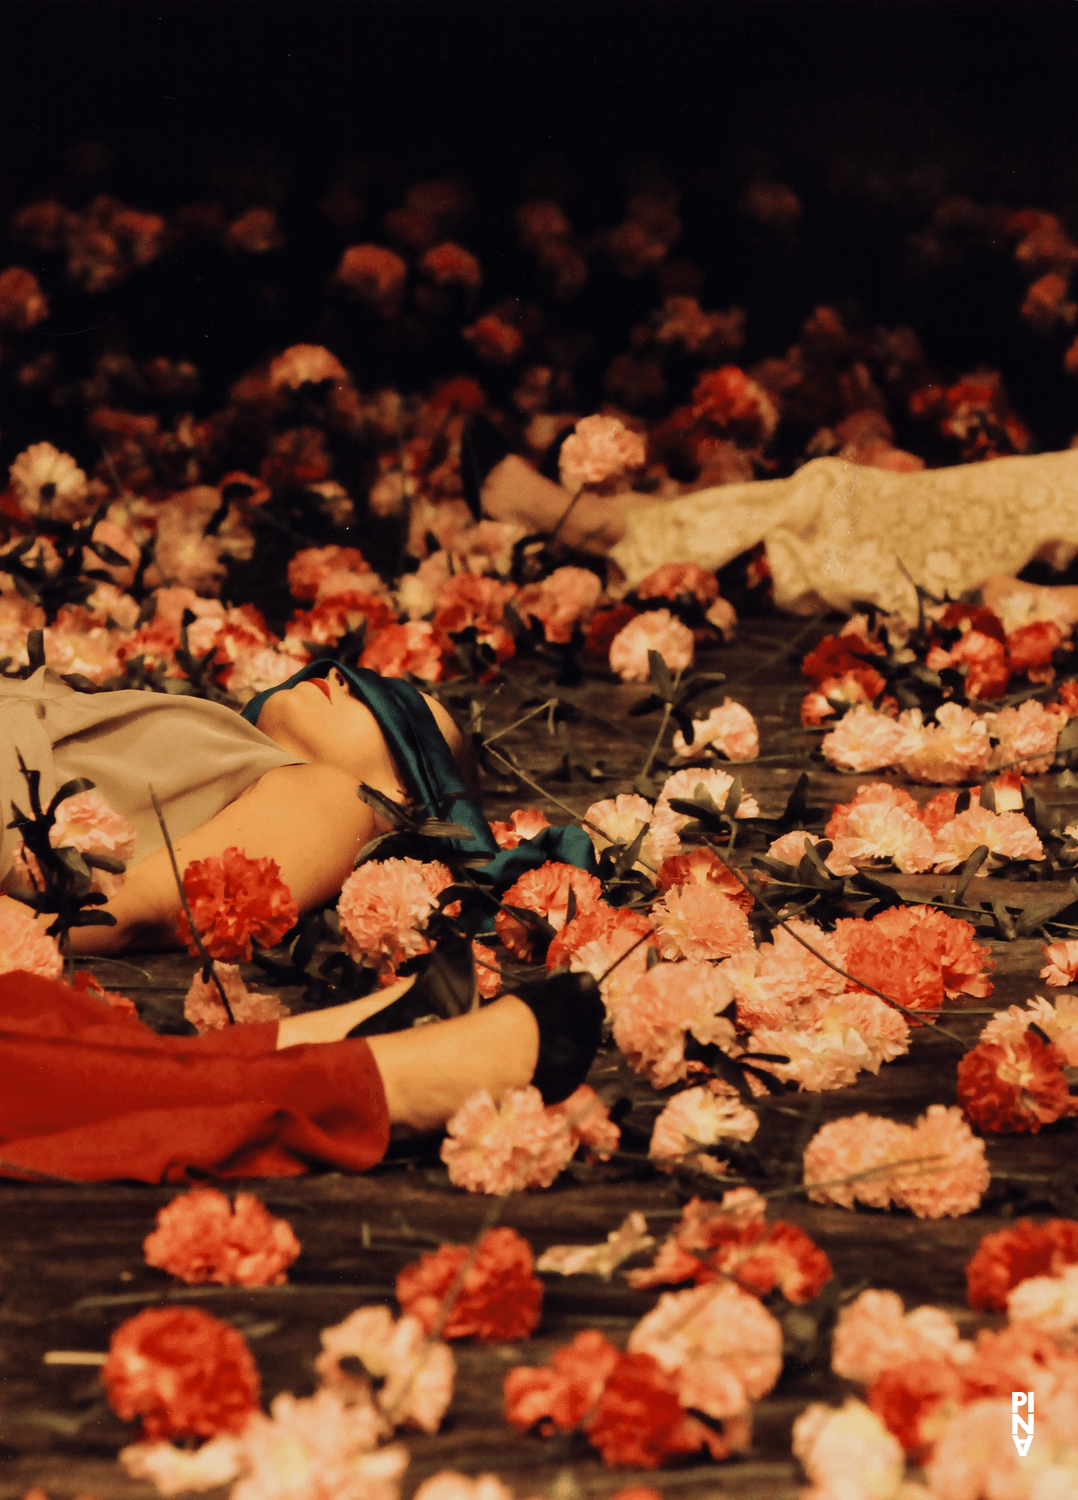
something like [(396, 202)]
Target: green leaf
[(972, 864), (659, 673)]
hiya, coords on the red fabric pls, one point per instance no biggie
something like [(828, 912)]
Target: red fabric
[(89, 1093)]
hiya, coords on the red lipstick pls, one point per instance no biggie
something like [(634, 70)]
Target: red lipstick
[(320, 682)]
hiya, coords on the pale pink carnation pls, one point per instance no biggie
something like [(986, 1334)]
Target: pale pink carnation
[(321, 1447), (600, 450), (415, 1375), (1028, 735), (262, 667), (848, 1454), (670, 580), (666, 824), (954, 749), (174, 1471), (876, 830), (383, 906), (630, 1238), (304, 364), (502, 1149), (373, 274), (24, 945), (92, 653), (864, 740), (589, 1122), (618, 820), (696, 1118), (653, 1015), (1048, 1302), (874, 1333), (1062, 963), (1059, 1022), (202, 1003), (975, 1457), (201, 1236), (723, 616), (563, 601), (697, 921), (729, 729), (522, 824), (719, 1342), (790, 850), (452, 1486), (829, 1041), (771, 981), (1008, 835), (654, 630), (50, 483), (935, 1168), (88, 824)]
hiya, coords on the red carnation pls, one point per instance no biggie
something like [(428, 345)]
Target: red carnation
[(603, 627), (235, 900), (638, 1420), (1031, 646), (1004, 1259), (560, 1394), (975, 617), (787, 1258), (908, 1397), (1014, 1085), (834, 656), (499, 1298), (184, 1373)]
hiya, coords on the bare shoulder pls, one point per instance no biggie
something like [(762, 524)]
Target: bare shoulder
[(446, 723)]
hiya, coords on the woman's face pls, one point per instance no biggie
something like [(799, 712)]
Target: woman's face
[(319, 721)]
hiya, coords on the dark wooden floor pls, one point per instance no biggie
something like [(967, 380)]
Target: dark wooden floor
[(71, 1265)]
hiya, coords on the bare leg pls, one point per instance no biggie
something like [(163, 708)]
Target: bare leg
[(429, 1071), (334, 1023), (999, 586), (514, 491)]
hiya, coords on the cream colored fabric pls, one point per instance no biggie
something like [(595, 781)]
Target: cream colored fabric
[(198, 756), (837, 532)]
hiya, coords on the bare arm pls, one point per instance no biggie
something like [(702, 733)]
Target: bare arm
[(308, 818)]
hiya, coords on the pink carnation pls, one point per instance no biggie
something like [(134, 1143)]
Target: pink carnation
[(383, 906), (828, 1042), (600, 450), (666, 824), (654, 630), (719, 1342), (544, 891), (589, 1123), (505, 1148), (202, 1003), (1028, 735), (653, 1015), (563, 601), (618, 820), (769, 982), (1062, 965), (697, 921), (874, 1333), (697, 1118), (1008, 835), (412, 649), (845, 1450), (935, 1168), (1059, 1022), (864, 740), (88, 825), (729, 729), (310, 565), (523, 824), (49, 483), (317, 1446), (24, 945), (593, 941), (790, 850), (672, 580), (448, 1485), (200, 1237), (415, 1375), (881, 830), (304, 364), (954, 749)]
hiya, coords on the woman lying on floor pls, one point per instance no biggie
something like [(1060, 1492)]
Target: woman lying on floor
[(836, 533), (87, 1093)]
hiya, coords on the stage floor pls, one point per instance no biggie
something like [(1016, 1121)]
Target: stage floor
[(71, 1265)]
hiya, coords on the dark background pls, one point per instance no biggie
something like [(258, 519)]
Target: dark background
[(270, 103)]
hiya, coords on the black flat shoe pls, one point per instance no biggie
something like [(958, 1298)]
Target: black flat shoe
[(482, 448), (570, 1013), (444, 987)]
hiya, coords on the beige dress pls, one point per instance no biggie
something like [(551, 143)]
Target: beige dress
[(198, 756), (837, 532)]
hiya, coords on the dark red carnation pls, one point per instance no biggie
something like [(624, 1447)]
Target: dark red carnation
[(834, 657), (184, 1373), (603, 627), (985, 621), (1004, 1259), (235, 900), (638, 1420), (1032, 645), (1015, 1085), (786, 1258), (908, 1396), (499, 1298)]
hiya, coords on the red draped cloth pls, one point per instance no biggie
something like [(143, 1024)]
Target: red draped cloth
[(88, 1092)]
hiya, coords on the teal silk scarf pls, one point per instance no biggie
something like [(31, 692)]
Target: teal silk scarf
[(432, 777)]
